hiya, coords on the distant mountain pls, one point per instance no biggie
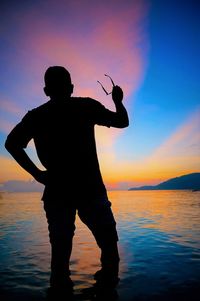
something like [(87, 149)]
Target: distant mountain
[(22, 186), (190, 181)]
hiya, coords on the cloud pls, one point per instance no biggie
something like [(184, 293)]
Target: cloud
[(186, 137), (9, 106), (6, 126), (9, 111), (90, 38), (178, 155)]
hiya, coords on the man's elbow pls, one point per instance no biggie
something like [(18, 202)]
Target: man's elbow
[(9, 145), (124, 124)]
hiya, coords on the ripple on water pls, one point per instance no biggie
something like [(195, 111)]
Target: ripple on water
[(159, 243)]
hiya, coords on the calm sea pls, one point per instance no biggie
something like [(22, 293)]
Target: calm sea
[(159, 246)]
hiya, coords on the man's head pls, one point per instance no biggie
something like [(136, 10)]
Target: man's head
[(58, 82)]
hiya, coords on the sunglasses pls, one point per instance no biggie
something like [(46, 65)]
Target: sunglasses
[(107, 93)]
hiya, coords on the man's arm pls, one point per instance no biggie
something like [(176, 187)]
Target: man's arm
[(120, 117), (21, 157)]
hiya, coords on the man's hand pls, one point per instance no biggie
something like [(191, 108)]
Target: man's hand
[(41, 176), (117, 94)]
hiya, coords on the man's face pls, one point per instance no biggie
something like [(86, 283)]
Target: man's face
[(58, 82)]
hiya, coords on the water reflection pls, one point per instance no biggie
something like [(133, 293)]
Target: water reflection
[(159, 247), (173, 212)]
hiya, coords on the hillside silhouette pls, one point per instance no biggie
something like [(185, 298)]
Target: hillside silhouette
[(22, 186), (189, 181)]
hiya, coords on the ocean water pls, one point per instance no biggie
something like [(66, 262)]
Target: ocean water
[(159, 244)]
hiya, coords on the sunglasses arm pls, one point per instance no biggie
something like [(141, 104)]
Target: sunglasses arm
[(103, 88)]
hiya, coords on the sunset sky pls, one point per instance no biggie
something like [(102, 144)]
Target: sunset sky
[(150, 48)]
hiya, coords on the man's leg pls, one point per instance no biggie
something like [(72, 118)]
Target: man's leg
[(61, 225), (99, 218)]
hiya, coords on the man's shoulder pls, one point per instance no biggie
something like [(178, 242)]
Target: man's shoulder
[(35, 113), (42, 107), (85, 101), (37, 110)]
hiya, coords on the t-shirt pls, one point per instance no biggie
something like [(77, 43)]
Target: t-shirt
[(64, 138)]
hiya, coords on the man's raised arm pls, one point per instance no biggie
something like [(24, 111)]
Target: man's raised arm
[(120, 117)]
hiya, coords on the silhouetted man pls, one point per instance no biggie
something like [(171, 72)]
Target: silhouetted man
[(63, 133)]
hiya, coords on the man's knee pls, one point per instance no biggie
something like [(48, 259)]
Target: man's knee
[(58, 235), (106, 236)]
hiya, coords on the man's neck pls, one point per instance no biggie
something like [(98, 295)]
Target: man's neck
[(60, 99)]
